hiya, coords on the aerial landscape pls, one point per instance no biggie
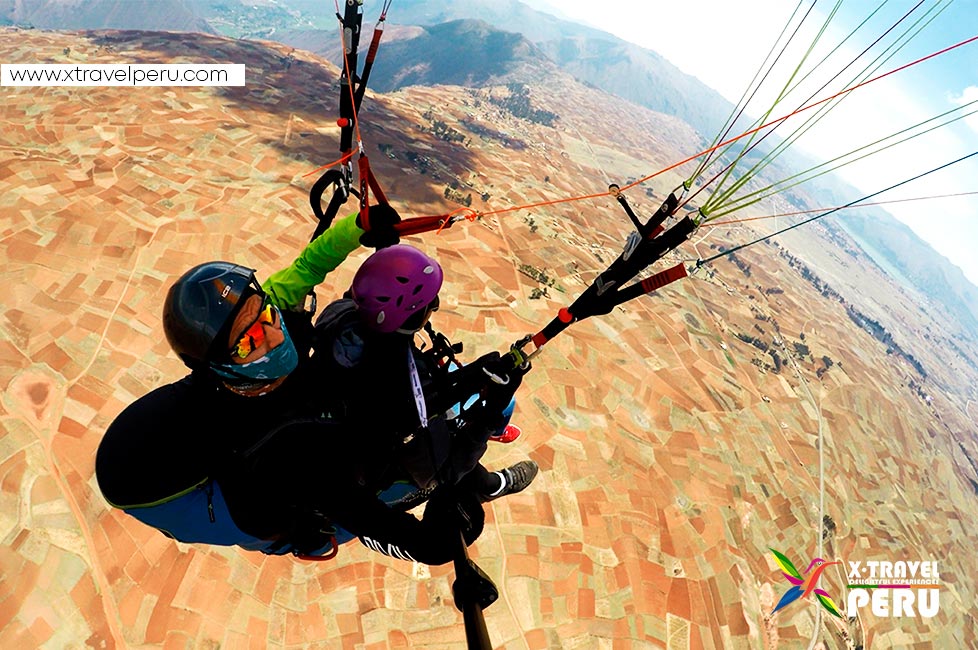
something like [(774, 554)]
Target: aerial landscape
[(803, 394)]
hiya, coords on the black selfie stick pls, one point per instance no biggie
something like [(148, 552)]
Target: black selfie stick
[(473, 591)]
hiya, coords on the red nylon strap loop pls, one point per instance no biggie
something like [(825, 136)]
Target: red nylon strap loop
[(662, 278), (374, 185), (418, 225), (368, 182), (374, 44)]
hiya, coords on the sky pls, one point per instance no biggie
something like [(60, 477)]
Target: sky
[(724, 44)]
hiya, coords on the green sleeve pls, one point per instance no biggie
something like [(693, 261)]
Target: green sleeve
[(288, 288)]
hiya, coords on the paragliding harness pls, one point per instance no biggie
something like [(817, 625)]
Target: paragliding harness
[(352, 89), (199, 515), (440, 359), (450, 391)]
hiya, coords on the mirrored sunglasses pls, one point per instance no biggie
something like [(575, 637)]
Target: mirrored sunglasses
[(254, 336)]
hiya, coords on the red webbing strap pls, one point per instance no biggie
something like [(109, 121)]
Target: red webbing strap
[(374, 185), (662, 278), (368, 63), (556, 326), (368, 181), (375, 42), (648, 285), (539, 340), (418, 225)]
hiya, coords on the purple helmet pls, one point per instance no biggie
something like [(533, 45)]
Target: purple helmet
[(394, 284)]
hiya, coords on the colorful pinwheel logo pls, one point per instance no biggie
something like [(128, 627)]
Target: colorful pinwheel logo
[(803, 585)]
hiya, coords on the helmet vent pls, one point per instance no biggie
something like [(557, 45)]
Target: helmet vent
[(417, 289), (402, 279)]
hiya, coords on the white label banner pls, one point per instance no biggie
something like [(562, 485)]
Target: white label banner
[(122, 74)]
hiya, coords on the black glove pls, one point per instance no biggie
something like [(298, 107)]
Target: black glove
[(382, 219), (452, 510), (503, 378)]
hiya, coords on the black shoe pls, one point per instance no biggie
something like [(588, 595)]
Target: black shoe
[(518, 477)]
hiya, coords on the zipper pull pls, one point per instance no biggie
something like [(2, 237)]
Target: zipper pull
[(210, 502)]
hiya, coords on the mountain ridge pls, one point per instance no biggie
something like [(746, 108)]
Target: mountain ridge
[(167, 15)]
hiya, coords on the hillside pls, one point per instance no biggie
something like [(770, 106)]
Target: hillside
[(592, 56), (679, 437), (460, 53), (929, 272), (165, 15), (914, 263)]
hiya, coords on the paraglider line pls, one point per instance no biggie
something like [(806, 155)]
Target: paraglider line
[(728, 222), (833, 210)]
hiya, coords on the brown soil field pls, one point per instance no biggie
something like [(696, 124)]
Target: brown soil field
[(674, 452)]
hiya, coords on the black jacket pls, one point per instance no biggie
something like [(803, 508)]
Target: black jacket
[(276, 457)]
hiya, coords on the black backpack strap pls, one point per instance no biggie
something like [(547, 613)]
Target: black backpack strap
[(337, 315)]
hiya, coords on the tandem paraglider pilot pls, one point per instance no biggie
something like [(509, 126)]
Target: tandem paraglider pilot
[(252, 448)]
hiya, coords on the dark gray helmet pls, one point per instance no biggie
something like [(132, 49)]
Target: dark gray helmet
[(200, 309)]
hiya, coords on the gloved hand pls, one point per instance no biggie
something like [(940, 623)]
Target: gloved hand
[(502, 369), (382, 218), (451, 510), (503, 378)]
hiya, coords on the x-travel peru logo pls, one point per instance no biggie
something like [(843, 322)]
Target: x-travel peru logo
[(890, 589), (804, 585), (894, 589)]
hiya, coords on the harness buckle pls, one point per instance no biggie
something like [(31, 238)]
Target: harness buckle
[(634, 239)]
